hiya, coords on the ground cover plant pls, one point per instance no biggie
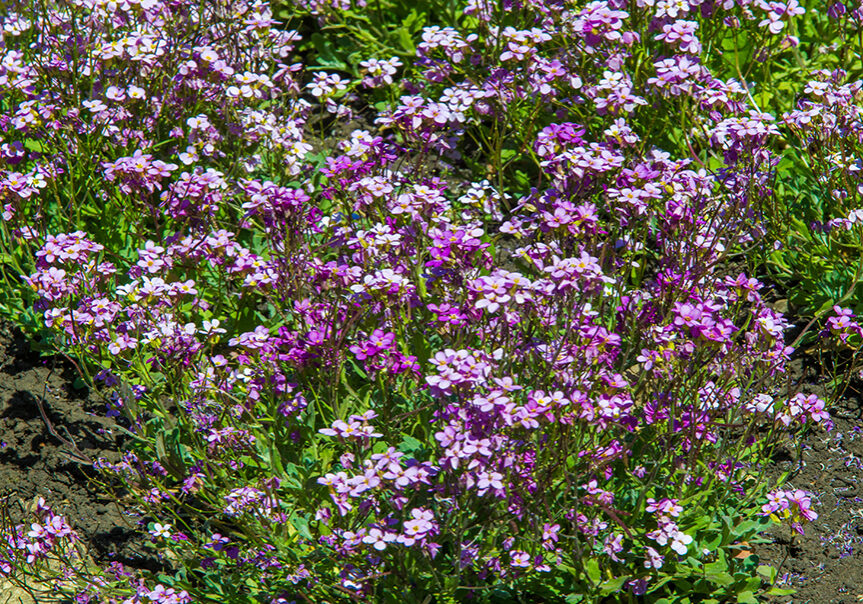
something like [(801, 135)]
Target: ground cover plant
[(440, 302)]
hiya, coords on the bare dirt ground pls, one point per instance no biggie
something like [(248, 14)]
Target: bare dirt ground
[(40, 458)]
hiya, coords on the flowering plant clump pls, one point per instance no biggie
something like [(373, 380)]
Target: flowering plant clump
[(472, 325)]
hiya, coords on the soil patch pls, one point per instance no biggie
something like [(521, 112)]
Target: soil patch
[(825, 565), (36, 462)]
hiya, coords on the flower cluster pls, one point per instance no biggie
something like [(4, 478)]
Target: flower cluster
[(42, 539), (490, 330), (790, 505)]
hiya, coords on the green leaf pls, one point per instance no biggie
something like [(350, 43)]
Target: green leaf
[(612, 585), (746, 597), (359, 371), (410, 444), (327, 56), (828, 304), (325, 456), (130, 403), (767, 571), (302, 525), (270, 455), (723, 579), (592, 570), (34, 145), (162, 452), (747, 527), (310, 414), (406, 41), (420, 347), (507, 154), (662, 581), (753, 583)]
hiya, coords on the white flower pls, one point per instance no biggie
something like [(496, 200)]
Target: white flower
[(212, 327), (95, 106), (161, 530), (680, 541)]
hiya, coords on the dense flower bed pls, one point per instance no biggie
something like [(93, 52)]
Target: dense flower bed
[(478, 319)]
